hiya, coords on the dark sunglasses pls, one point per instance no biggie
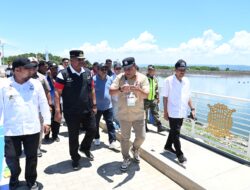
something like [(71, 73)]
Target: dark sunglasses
[(118, 68), (181, 70), (104, 69)]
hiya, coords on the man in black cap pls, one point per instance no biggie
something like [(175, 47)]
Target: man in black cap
[(21, 100), (152, 101), (108, 63), (132, 88), (76, 87), (176, 100)]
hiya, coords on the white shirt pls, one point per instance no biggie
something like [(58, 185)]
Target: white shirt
[(20, 105), (178, 94)]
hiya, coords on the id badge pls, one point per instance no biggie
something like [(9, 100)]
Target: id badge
[(131, 100)]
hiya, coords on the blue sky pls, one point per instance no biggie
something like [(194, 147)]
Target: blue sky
[(154, 32)]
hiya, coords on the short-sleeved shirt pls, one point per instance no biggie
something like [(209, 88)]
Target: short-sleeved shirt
[(103, 98), (178, 94), (131, 113), (76, 90)]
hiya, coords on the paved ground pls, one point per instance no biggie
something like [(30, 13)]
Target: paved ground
[(55, 171)]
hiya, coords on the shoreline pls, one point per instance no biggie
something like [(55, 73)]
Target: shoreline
[(168, 72)]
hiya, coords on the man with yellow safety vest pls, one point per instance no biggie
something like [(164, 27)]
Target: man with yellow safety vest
[(151, 103)]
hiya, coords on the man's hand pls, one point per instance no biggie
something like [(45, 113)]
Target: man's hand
[(166, 116), (46, 129), (58, 116), (125, 88), (94, 109)]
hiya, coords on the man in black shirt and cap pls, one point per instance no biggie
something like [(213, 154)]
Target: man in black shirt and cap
[(75, 85)]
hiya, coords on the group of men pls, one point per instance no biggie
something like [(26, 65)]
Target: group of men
[(86, 96)]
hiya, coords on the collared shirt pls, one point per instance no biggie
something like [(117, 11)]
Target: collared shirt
[(103, 98), (178, 94), (77, 89), (20, 105), (131, 113)]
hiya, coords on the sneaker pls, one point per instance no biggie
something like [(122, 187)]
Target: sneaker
[(34, 186), (126, 162), (170, 149), (75, 165), (88, 154), (97, 142), (39, 153), (113, 145), (136, 155), (182, 159)]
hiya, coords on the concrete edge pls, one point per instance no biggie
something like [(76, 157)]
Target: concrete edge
[(180, 177)]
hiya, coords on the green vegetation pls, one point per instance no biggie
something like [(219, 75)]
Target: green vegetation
[(39, 56)]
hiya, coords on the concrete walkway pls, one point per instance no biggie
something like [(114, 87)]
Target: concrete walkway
[(160, 170), (55, 171), (203, 170)]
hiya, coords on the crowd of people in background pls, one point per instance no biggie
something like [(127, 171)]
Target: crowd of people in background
[(37, 94)]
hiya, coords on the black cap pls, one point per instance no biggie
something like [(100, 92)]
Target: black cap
[(102, 65), (181, 63), (151, 67), (108, 61), (42, 62), (117, 65), (76, 54), (95, 64), (53, 65), (128, 62), (23, 62)]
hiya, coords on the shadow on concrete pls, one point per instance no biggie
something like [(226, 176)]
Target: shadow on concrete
[(172, 157), (107, 171), (22, 186), (66, 167)]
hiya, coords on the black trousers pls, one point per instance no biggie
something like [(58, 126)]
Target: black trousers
[(12, 152), (55, 126), (174, 135), (73, 122), (108, 117)]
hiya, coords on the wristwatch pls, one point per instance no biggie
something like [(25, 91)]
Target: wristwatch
[(192, 109)]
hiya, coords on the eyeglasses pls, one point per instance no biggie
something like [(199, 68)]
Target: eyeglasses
[(104, 69), (118, 68), (181, 70), (79, 59)]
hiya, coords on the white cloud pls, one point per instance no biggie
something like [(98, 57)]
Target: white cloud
[(241, 42), (208, 48), (144, 43)]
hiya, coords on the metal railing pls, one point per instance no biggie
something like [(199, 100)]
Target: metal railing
[(238, 143)]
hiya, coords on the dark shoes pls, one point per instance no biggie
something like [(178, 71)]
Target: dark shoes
[(160, 128), (35, 186), (182, 158), (14, 185), (75, 165), (57, 139), (170, 149), (88, 154)]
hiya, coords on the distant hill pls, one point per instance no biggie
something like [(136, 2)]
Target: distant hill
[(235, 67)]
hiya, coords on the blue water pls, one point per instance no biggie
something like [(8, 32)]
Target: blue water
[(221, 85), (238, 87)]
